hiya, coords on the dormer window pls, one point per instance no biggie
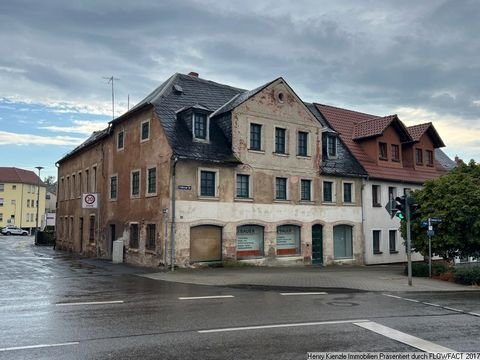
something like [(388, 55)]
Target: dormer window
[(382, 150), (200, 126), (331, 146)]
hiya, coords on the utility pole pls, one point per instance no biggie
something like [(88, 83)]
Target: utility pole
[(409, 237), (111, 80), (39, 168)]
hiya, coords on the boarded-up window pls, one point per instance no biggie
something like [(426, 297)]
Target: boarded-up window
[(342, 241), (205, 243)]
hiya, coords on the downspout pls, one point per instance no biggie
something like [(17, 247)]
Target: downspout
[(172, 229)]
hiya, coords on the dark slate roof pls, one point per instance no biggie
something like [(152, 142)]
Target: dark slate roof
[(20, 176), (444, 160), (196, 92), (241, 98), (345, 163), (94, 138)]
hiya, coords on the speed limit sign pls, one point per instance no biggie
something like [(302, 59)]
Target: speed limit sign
[(89, 200)]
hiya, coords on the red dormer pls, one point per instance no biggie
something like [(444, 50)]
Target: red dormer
[(421, 155)]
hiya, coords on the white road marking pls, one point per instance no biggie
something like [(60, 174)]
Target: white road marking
[(430, 304), (393, 296), (303, 293), (206, 297), (402, 337), (412, 300), (474, 314), (91, 303), (244, 328), (452, 309), (37, 346)]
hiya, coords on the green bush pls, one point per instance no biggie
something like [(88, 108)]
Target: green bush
[(421, 269), (467, 275)]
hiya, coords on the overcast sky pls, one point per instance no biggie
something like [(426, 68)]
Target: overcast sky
[(418, 59)]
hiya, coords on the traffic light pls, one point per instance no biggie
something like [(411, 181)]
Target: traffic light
[(400, 207), (414, 213)]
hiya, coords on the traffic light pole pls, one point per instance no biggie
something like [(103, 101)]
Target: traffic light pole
[(409, 238)]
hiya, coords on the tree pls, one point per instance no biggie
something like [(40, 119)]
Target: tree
[(49, 180), (454, 197)]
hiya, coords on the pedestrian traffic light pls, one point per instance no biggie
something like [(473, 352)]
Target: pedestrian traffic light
[(400, 207)]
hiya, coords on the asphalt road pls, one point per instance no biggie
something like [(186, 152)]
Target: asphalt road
[(54, 305)]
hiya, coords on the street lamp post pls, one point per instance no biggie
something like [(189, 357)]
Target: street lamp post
[(38, 202)]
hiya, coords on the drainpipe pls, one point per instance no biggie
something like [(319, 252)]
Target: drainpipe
[(172, 230)]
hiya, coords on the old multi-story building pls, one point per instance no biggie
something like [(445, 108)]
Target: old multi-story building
[(219, 173), (19, 191), (396, 158)]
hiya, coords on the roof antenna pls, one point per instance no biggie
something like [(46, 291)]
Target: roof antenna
[(111, 79), (128, 102)]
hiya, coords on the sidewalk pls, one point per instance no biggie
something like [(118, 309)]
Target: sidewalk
[(387, 278)]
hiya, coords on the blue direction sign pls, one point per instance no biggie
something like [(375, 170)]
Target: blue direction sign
[(436, 220), (424, 223)]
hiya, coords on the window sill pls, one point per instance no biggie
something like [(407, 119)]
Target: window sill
[(349, 204), (280, 201), (134, 197), (307, 202), (396, 160), (144, 140), (281, 154), (133, 250), (383, 159), (112, 200), (244, 199), (304, 157), (377, 253), (329, 203), (376, 205), (430, 165), (257, 151), (203, 141), (150, 251), (151, 195), (393, 252), (211, 198)]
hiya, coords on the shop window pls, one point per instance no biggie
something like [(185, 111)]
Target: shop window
[(249, 241)]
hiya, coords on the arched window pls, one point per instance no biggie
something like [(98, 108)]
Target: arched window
[(249, 241), (342, 242), (288, 240)]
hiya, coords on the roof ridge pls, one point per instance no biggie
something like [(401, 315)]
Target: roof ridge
[(194, 78), (418, 125), (353, 111)]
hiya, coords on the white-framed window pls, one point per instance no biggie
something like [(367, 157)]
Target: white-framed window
[(376, 195), (243, 186), (208, 182), (303, 142), (280, 140), (145, 130), (74, 187), (281, 188), (200, 123), (348, 190), (135, 183), (392, 241), (328, 191), (331, 146), (256, 137), (151, 181), (113, 187), (2, 187), (306, 190), (94, 178), (121, 140)]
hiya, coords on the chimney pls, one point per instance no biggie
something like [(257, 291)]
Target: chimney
[(193, 73)]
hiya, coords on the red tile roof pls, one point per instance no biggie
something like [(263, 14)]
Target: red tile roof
[(353, 125), (372, 127), (20, 176), (417, 131)]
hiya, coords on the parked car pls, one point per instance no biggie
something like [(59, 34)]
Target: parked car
[(13, 230)]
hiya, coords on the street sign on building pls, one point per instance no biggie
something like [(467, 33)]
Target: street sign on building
[(90, 200)]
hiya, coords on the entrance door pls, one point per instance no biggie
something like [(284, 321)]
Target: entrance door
[(205, 243), (81, 234), (112, 238), (317, 244)]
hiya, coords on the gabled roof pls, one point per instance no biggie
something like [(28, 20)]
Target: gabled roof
[(93, 139), (377, 125), (19, 176), (353, 125), (417, 131)]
